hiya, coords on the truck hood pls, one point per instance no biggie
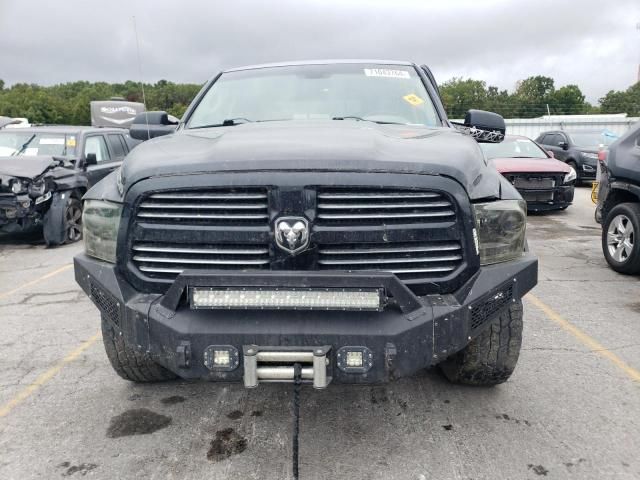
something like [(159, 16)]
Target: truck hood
[(339, 145), (26, 167), (530, 165)]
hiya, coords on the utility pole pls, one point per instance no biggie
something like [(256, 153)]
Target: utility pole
[(638, 29)]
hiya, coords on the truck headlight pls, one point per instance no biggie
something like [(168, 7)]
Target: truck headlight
[(571, 176), (100, 223), (501, 227)]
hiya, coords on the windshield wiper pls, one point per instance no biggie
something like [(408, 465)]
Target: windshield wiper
[(228, 122), (24, 146), (380, 122)]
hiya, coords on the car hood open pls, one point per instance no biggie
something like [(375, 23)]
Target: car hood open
[(340, 145), (530, 165), (25, 167)]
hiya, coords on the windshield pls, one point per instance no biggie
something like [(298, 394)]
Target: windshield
[(593, 140), (380, 93), (513, 147), (30, 144)]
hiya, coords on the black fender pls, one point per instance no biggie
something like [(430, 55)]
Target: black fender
[(53, 223), (627, 187)]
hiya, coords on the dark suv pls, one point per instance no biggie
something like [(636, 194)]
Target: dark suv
[(579, 149), (321, 221), (45, 171), (618, 207)]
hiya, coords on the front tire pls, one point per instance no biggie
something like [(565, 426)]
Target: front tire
[(128, 362), (620, 243), (63, 221), (491, 357)]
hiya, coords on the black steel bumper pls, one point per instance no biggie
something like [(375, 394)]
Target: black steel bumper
[(411, 332)]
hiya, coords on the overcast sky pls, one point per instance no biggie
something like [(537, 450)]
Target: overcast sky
[(594, 44)]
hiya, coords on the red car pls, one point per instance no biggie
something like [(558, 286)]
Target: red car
[(544, 182)]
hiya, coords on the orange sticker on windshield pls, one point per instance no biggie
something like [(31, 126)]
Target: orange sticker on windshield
[(413, 99)]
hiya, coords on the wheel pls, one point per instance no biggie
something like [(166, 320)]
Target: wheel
[(491, 357), (620, 243), (129, 363), (574, 165), (73, 221), (63, 221)]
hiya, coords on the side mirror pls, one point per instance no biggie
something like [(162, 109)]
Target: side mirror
[(550, 152), (90, 159), (485, 127), (563, 145), (151, 124)]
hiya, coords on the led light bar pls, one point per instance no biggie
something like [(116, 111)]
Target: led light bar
[(285, 299)]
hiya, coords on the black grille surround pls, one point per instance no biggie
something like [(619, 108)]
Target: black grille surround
[(429, 253)]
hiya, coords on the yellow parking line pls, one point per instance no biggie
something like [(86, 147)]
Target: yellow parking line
[(46, 376), (590, 342), (37, 280)]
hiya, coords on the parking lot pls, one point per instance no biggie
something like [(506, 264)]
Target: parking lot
[(571, 410)]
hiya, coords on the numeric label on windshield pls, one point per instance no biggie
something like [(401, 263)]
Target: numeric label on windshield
[(386, 72)]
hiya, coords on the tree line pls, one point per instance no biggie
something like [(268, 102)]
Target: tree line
[(68, 103)]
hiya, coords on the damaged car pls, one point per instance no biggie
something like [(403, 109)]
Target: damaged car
[(544, 182), (44, 171), (317, 222)]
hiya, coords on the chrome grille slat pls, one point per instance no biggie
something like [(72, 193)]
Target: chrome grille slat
[(199, 261), (207, 251), (371, 216), (376, 196), (204, 216), (209, 196), (204, 206), (416, 249), (360, 206), (384, 261)]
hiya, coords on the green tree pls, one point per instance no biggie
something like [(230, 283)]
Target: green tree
[(627, 101), (568, 100), (460, 95)]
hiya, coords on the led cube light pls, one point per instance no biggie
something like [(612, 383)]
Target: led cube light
[(285, 299), (221, 357), (354, 359)]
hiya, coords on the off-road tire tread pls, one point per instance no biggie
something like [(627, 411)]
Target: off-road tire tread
[(631, 267), (491, 357), (129, 363)]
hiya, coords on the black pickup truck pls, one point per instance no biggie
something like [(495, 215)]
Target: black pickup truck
[(316, 220)]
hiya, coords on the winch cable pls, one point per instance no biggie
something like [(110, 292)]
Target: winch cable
[(297, 382)]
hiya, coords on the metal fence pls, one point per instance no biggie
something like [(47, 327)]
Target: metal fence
[(532, 127)]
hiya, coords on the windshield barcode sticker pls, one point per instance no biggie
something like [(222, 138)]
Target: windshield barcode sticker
[(52, 141), (386, 72)]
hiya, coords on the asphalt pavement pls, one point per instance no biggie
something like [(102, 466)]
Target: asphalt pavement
[(571, 409)]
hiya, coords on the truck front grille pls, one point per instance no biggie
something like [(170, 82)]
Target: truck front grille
[(406, 260), (382, 206), (414, 233), (211, 207)]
